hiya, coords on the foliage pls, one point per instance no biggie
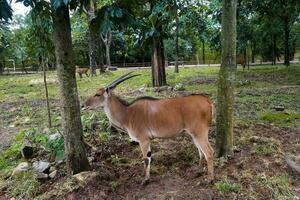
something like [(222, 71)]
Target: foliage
[(225, 186), (23, 186), (280, 117)]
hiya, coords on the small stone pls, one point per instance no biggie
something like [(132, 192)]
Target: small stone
[(59, 162), (179, 87), (53, 174), (41, 166), (22, 167), (54, 136), (142, 89), (112, 68), (85, 176), (91, 159), (279, 108), (42, 176), (52, 169)]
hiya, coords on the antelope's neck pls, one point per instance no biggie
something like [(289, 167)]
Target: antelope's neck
[(116, 112)]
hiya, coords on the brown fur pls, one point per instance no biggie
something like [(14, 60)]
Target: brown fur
[(147, 118), (81, 71), (241, 61)]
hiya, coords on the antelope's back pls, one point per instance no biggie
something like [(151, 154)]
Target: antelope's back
[(169, 115)]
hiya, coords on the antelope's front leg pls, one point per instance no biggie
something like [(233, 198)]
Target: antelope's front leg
[(145, 147)]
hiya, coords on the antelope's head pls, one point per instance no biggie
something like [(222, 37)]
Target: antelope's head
[(101, 95)]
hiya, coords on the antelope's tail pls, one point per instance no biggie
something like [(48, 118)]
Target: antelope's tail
[(213, 114)]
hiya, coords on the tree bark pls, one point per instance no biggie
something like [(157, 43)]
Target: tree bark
[(1, 68), (225, 97), (158, 62), (92, 38), (203, 52), (176, 40), (286, 42), (253, 48), (100, 56), (76, 159), (46, 93), (107, 41), (92, 51)]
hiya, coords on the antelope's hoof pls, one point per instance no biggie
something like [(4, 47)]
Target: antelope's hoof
[(209, 179), (145, 182)]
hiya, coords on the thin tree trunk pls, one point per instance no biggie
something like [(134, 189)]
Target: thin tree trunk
[(203, 52), (92, 51), (274, 50), (286, 42), (100, 56), (225, 97), (158, 62), (107, 41), (253, 48), (1, 68), (76, 159), (176, 41), (46, 93)]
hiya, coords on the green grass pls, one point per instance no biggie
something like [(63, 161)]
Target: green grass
[(225, 186), (279, 186), (257, 92)]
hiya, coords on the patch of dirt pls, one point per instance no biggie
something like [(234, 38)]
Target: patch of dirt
[(175, 173)]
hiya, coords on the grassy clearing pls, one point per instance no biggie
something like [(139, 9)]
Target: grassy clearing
[(258, 91)]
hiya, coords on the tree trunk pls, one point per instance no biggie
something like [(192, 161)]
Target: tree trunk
[(176, 41), (225, 97), (274, 50), (93, 50), (286, 42), (100, 56), (158, 62), (1, 68), (253, 48), (46, 93), (93, 36), (107, 41), (203, 52), (76, 159)]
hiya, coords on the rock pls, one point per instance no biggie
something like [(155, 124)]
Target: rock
[(41, 166), (142, 89), (85, 176), (112, 68), (91, 159), (179, 87), (59, 162), (279, 108), (52, 169), (42, 177), (54, 136), (22, 167), (162, 88), (27, 151), (53, 174)]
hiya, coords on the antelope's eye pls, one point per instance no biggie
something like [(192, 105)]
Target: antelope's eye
[(97, 95)]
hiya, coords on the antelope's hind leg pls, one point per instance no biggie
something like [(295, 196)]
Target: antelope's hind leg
[(145, 147), (202, 143)]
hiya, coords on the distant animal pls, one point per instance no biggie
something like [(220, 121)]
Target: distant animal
[(241, 60), (81, 71), (146, 118)]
